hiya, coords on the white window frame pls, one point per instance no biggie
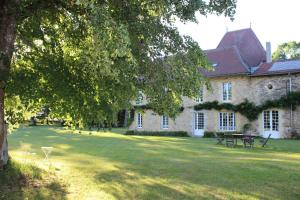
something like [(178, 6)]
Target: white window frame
[(139, 120), (227, 121), (199, 121), (271, 120), (164, 122), (227, 91), (199, 98)]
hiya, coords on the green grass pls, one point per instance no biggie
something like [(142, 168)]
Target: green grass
[(27, 181), (110, 165)]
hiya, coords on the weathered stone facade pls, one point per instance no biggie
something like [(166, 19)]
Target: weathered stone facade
[(247, 70), (256, 89)]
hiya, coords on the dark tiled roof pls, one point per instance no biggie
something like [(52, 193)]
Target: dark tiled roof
[(226, 61), (248, 45), (277, 67), (240, 52)]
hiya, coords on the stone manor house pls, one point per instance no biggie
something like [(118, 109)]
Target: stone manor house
[(243, 69)]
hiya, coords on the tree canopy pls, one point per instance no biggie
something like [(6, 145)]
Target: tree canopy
[(287, 50), (87, 59)]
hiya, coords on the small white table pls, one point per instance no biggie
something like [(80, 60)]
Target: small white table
[(47, 151)]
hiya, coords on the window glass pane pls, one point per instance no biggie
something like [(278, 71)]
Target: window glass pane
[(220, 121), (275, 121), (139, 120), (200, 121), (227, 121), (224, 91), (230, 121), (267, 121), (196, 120), (229, 92), (165, 121)]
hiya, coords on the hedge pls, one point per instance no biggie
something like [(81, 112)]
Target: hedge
[(158, 133)]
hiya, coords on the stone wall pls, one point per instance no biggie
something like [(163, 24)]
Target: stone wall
[(261, 90), (296, 119), (255, 89), (184, 121), (152, 122)]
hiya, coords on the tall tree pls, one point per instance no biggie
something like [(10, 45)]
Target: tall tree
[(87, 59), (287, 50)]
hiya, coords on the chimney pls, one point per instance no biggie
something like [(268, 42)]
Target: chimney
[(268, 52)]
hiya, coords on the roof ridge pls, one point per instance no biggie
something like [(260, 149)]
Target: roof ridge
[(241, 58)]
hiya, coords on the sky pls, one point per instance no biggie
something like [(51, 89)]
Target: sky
[(276, 21)]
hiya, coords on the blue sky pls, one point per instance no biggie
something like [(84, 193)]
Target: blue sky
[(276, 21)]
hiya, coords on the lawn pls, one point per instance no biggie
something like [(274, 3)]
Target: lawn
[(109, 165)]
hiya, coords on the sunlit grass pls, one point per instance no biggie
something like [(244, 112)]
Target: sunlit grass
[(109, 165)]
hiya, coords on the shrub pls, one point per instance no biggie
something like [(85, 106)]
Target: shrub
[(295, 135), (208, 134), (158, 133), (129, 132)]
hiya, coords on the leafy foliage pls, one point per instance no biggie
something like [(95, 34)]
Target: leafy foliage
[(208, 134), (88, 59), (16, 111), (149, 107), (288, 50), (249, 109)]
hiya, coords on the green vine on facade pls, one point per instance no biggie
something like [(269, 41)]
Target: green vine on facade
[(249, 109), (149, 107)]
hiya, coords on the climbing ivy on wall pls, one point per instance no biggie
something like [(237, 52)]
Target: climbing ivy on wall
[(246, 108), (149, 107), (249, 109)]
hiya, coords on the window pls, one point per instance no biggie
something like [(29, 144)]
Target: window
[(200, 96), (227, 91), (215, 65), (270, 86), (199, 121), (227, 121), (139, 120), (271, 120), (165, 122), (139, 98)]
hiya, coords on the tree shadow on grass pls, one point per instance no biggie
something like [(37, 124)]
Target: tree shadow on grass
[(144, 163), (19, 181), (123, 183)]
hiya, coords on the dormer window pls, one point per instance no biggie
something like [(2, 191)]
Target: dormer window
[(215, 65), (227, 92), (139, 98)]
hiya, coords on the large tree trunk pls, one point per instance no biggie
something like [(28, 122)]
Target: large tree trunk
[(8, 24)]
